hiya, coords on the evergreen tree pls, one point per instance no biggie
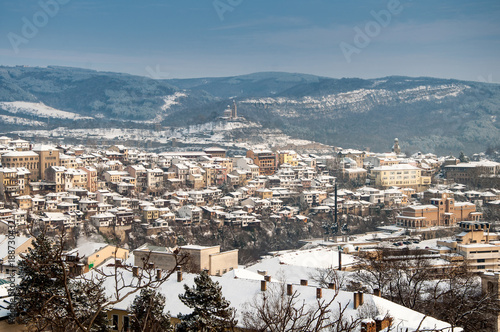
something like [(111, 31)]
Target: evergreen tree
[(39, 292), (46, 299), (211, 311), (147, 313)]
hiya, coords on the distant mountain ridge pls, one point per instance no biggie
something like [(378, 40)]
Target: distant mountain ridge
[(427, 114)]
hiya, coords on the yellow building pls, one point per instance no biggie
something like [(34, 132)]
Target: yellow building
[(9, 185), (120, 149), (49, 156), (24, 202), (150, 214), (68, 161), (401, 175), (226, 163), (200, 258), (288, 157), (108, 252), (27, 159), (91, 178), (264, 193), (478, 247), (215, 152)]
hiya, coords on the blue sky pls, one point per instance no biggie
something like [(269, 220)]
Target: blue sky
[(192, 38)]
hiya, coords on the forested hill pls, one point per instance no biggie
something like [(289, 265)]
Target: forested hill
[(427, 114)]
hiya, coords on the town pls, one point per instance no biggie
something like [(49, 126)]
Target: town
[(254, 217)]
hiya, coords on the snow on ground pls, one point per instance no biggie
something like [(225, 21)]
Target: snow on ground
[(360, 100), (296, 265), (172, 100), (207, 133), (20, 121), (39, 109), (316, 258)]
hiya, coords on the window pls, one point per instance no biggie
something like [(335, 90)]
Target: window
[(481, 267), (480, 260), (115, 322), (126, 323)]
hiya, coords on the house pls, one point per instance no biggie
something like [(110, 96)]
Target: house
[(90, 255), (200, 258), (191, 212)]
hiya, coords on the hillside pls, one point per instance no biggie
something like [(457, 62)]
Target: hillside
[(428, 114)]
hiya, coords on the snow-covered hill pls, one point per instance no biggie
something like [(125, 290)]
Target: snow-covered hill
[(39, 110)]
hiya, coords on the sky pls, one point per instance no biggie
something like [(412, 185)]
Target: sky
[(201, 38)]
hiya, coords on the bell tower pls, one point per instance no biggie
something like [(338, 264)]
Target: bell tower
[(234, 112), (395, 148)]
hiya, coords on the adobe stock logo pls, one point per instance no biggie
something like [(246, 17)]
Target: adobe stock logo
[(30, 28), (372, 29), (223, 6)]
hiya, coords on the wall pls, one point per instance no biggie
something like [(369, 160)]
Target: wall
[(227, 260)]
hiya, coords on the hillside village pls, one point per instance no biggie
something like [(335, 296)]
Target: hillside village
[(238, 216)]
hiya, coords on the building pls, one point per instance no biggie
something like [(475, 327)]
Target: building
[(200, 258), (91, 255), (91, 178), (442, 211), (14, 182), (356, 155), (479, 247), (49, 156), (468, 173), (287, 157), (266, 160), (215, 152), (400, 175), (19, 145), (27, 159)]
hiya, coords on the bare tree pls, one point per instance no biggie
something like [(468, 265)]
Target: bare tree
[(452, 295), (64, 305), (275, 311)]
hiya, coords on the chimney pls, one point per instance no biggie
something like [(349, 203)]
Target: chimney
[(303, 282), (360, 298), (319, 293), (178, 268), (356, 300), (158, 274), (267, 278), (289, 289), (331, 285), (179, 276), (377, 292), (340, 260), (151, 265), (135, 271), (368, 325), (263, 285), (381, 323)]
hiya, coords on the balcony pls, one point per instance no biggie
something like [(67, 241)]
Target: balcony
[(11, 188)]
